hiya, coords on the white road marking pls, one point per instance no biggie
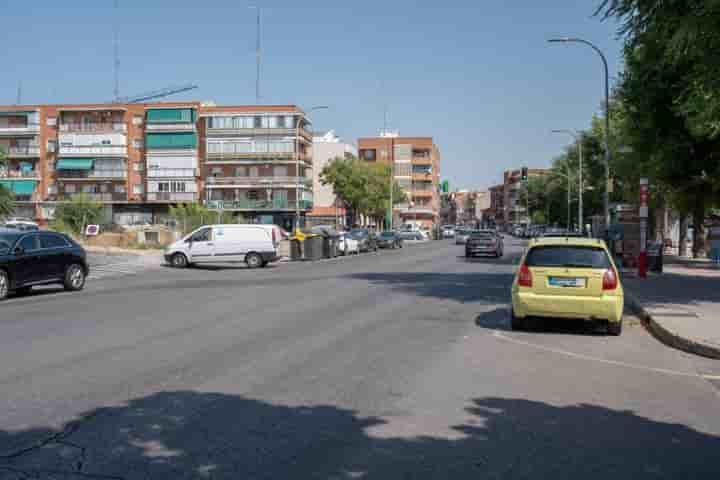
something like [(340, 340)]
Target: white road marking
[(616, 363)]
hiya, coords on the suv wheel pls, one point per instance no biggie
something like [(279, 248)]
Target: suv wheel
[(4, 285), (74, 278)]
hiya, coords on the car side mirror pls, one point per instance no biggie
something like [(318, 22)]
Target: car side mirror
[(19, 251)]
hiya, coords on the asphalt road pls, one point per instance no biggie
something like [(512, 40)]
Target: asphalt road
[(396, 365)]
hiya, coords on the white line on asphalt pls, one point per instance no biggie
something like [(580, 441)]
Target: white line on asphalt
[(617, 363)]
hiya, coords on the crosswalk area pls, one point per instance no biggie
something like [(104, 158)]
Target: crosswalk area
[(120, 267)]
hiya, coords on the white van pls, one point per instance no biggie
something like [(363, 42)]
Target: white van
[(256, 245)]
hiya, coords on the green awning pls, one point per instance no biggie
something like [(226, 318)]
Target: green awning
[(170, 115), (19, 187), (75, 164), (171, 140)]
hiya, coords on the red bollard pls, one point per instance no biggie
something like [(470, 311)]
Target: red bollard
[(642, 265)]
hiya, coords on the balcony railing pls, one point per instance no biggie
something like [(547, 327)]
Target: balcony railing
[(96, 197), (287, 132), (261, 181), (19, 174), (172, 172), (93, 151), (170, 127), (172, 196), (23, 151), (91, 174), (20, 129), (257, 204), (93, 127)]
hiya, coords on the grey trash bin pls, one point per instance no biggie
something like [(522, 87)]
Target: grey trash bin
[(313, 247), (296, 249)]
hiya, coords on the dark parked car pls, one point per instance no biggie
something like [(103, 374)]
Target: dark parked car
[(389, 239), (484, 242), (367, 240), (30, 258)]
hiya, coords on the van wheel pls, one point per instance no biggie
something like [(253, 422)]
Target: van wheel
[(253, 260), (179, 260), (74, 278), (614, 328)]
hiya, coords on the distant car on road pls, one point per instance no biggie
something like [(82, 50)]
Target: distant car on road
[(348, 245), (484, 242), (389, 239), (461, 236), (572, 278), (448, 231), (367, 240), (411, 236), (32, 258)]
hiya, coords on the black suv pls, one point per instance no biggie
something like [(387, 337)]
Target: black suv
[(39, 258)]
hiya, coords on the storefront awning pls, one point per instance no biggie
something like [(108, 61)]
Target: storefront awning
[(75, 164), (19, 187)]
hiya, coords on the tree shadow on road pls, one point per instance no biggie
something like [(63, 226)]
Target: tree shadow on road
[(462, 287), (191, 435), (674, 288)]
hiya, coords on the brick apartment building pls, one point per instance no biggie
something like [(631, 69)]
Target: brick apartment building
[(515, 212), (416, 168), (137, 159), (495, 213)]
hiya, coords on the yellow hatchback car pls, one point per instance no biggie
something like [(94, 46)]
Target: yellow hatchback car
[(573, 278)]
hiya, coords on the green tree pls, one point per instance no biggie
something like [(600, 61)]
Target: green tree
[(670, 92), (6, 196), (74, 215), (363, 186)]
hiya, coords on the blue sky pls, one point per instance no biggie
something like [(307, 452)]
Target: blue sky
[(476, 75)]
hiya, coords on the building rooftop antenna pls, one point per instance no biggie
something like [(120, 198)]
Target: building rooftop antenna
[(116, 49)]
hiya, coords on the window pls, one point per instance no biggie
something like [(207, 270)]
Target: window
[(562, 256), (70, 188), (51, 145), (368, 154), (240, 171), (252, 195), (177, 187), (52, 189), (214, 147), (120, 189), (105, 142), (29, 243), (289, 121), (280, 122), (137, 120), (257, 122), (51, 166), (51, 121), (280, 171), (89, 188), (253, 171), (272, 122), (138, 189), (216, 171), (201, 235), (138, 143), (103, 188), (52, 240), (138, 167)]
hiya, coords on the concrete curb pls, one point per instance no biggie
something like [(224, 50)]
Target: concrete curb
[(668, 337)]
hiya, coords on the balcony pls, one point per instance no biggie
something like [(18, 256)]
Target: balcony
[(92, 174), (96, 197), (285, 132), (261, 156), (259, 181), (257, 205), (93, 151), (109, 127), (416, 211), (172, 172), (172, 196), (27, 129), (29, 151), (19, 174), (422, 160), (170, 127)]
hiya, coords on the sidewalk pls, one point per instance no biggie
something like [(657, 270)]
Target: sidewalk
[(681, 305)]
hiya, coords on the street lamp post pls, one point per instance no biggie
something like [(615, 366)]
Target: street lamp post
[(297, 162), (606, 196), (578, 139)]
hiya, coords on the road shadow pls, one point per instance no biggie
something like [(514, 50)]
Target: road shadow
[(507, 259), (191, 435), (462, 287), (499, 319), (39, 292), (674, 288), (221, 267)]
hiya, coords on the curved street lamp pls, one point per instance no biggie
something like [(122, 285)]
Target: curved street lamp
[(606, 197)]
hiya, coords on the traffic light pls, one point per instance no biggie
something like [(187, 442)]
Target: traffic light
[(524, 174)]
